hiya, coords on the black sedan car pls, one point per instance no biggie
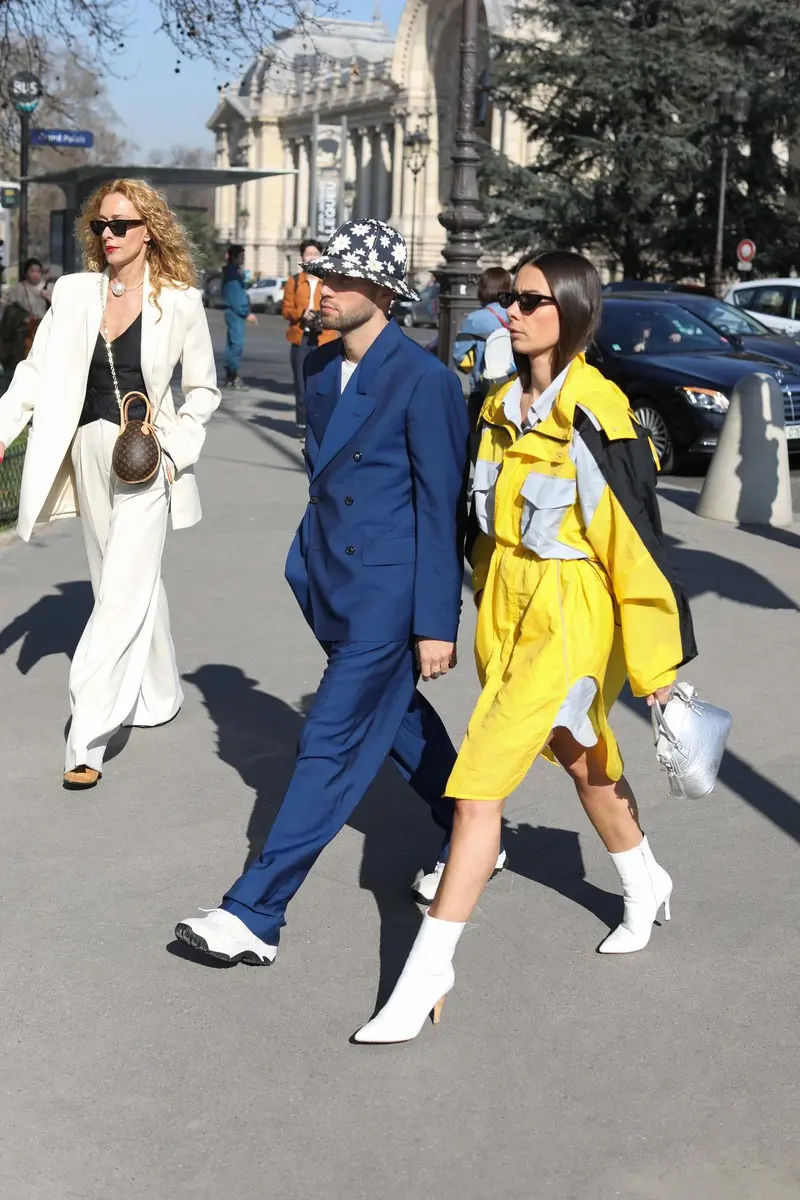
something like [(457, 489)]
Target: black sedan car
[(741, 330), (678, 373)]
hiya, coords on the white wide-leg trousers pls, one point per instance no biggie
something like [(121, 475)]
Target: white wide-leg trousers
[(124, 670)]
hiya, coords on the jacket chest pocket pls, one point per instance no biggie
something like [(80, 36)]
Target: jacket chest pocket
[(484, 483), (546, 502)]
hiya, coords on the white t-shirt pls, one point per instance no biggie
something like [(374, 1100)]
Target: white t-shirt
[(348, 370), (313, 283)]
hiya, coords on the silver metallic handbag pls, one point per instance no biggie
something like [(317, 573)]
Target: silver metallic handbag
[(690, 737)]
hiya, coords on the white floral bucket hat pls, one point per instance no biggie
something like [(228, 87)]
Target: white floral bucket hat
[(367, 249)]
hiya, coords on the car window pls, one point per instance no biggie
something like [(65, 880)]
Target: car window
[(794, 304), (727, 319), (772, 301), (743, 297), (644, 329), (270, 283)]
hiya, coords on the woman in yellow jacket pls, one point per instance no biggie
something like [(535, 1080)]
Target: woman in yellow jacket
[(574, 595)]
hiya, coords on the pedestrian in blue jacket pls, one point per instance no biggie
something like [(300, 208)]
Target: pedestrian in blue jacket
[(470, 341), (236, 304), (376, 567)]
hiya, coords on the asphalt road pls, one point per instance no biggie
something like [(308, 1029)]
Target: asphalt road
[(131, 1070), (266, 364)]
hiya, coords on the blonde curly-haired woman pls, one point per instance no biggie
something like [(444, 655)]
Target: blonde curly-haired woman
[(135, 312)]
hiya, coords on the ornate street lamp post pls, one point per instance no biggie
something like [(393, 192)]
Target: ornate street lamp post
[(415, 152), (729, 107), (463, 218)]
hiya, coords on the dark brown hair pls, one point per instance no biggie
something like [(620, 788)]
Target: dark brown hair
[(575, 286), (492, 282)]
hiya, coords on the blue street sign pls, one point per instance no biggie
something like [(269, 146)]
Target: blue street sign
[(62, 137)]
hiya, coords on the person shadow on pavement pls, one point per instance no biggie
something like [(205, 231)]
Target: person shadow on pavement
[(51, 626), (257, 735)]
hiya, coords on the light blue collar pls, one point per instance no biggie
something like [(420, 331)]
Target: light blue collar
[(540, 410)]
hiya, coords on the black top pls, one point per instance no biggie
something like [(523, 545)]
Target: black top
[(101, 400)]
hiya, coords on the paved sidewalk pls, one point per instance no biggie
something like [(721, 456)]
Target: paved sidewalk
[(130, 1072)]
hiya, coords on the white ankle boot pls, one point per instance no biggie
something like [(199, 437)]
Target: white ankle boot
[(426, 979), (645, 886), (425, 887)]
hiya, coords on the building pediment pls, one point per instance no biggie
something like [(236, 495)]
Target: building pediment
[(231, 108)]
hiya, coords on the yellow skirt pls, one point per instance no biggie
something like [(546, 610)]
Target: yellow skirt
[(546, 633)]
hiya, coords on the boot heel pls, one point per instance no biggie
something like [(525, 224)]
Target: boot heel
[(437, 1010), (666, 907)]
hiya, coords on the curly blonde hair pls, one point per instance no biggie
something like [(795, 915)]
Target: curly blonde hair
[(170, 253)]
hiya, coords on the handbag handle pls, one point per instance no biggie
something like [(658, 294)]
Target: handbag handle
[(127, 400), (660, 726)]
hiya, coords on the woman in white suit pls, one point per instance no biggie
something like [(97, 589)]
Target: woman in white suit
[(136, 307)]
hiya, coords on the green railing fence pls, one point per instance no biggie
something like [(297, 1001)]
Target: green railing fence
[(10, 480)]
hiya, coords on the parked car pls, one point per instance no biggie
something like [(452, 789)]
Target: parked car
[(425, 311), (401, 311), (649, 285), (678, 373), (776, 302), (212, 291), (742, 331), (266, 295)]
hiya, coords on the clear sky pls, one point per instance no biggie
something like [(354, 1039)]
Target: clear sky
[(158, 108)]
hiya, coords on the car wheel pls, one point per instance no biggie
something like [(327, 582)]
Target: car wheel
[(408, 320), (658, 431), (269, 307)]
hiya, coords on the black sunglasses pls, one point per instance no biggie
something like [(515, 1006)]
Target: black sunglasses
[(118, 226), (528, 301)]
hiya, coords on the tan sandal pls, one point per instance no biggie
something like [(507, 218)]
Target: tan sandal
[(81, 777)]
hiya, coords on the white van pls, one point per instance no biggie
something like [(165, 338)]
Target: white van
[(776, 302)]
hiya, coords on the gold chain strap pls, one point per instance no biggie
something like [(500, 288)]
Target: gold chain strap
[(107, 340)]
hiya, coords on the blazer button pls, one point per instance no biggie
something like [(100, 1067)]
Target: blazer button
[(357, 456), (350, 550), (348, 500), (313, 500)]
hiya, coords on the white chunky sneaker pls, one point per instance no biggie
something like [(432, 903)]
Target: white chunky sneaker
[(224, 936), (424, 886)]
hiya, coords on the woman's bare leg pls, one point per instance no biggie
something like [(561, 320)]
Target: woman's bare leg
[(474, 848), (610, 806)]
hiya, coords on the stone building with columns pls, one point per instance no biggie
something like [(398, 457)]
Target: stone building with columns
[(334, 104)]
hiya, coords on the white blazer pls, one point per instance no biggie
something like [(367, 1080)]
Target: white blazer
[(50, 387)]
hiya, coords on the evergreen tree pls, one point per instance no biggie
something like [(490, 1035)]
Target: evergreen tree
[(614, 97)]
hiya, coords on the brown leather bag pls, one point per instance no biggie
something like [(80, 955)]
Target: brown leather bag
[(137, 450)]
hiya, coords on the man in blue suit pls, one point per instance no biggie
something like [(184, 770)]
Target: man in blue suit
[(376, 567)]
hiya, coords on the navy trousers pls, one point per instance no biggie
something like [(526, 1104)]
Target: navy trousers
[(367, 708), (234, 342)]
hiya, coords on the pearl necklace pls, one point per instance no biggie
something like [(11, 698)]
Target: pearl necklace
[(118, 288)]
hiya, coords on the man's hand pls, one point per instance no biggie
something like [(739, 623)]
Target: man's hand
[(2, 452), (435, 658), (252, 319), (662, 696)]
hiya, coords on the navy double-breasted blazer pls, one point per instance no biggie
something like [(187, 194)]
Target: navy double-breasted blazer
[(378, 555)]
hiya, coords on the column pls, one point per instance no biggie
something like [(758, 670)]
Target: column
[(398, 168), (364, 200), (384, 174), (289, 190), (302, 186)]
